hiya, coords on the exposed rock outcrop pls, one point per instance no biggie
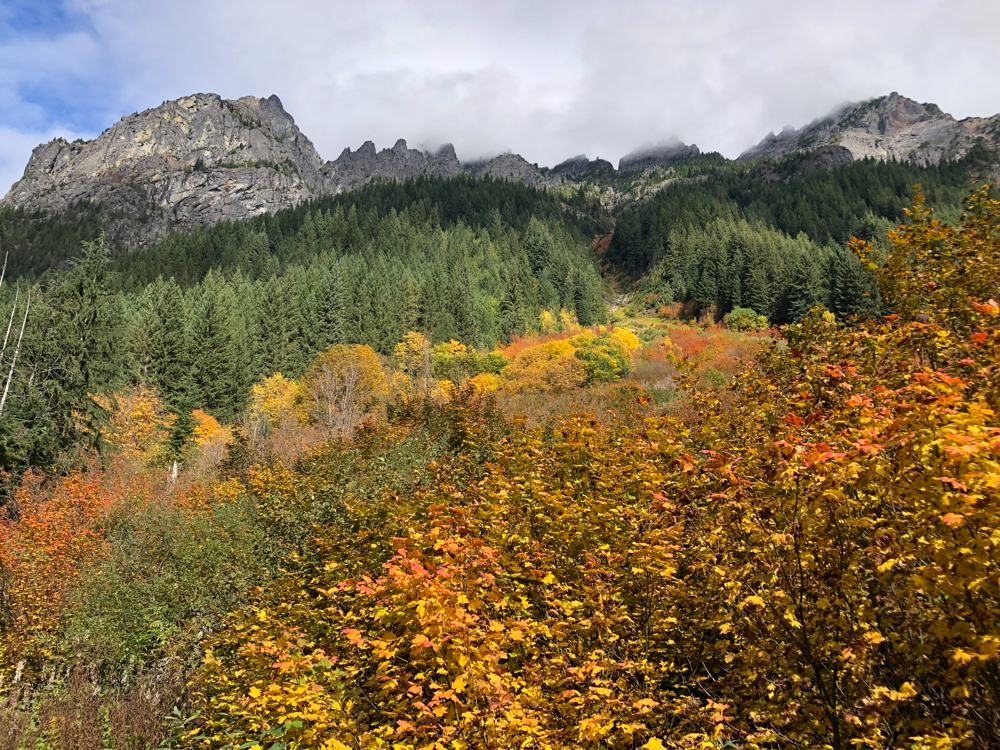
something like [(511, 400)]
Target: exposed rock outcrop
[(352, 170), (510, 166), (580, 169), (196, 160), (889, 127), (661, 154), (828, 158), (202, 159)]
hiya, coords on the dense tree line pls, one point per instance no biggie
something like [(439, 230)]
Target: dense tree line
[(771, 236), (731, 263), (37, 241), (345, 224), (353, 276), (828, 206)]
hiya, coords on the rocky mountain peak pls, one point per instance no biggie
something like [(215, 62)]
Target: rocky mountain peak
[(195, 160), (654, 155), (201, 159), (887, 127), (352, 170)]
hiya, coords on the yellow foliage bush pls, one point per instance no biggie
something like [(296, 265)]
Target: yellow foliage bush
[(345, 384), (277, 401), (443, 390), (627, 337), (139, 422), (815, 566), (547, 322), (485, 382), (568, 321), (414, 357), (549, 367)]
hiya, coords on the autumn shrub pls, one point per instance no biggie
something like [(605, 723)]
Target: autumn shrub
[(605, 359), (277, 425), (626, 337), (167, 574), (489, 625), (344, 386), (139, 423), (550, 367), (714, 377), (745, 319), (79, 713), (519, 343), (456, 363), (814, 565), (47, 537), (208, 445)]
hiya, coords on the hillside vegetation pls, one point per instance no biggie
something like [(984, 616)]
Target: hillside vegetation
[(771, 236), (799, 550), (207, 314)]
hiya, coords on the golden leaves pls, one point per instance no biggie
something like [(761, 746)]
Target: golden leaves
[(826, 565)]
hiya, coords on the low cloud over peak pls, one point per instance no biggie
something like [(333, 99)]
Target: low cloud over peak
[(546, 80)]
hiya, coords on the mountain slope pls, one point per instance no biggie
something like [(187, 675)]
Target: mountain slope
[(889, 127), (203, 159)]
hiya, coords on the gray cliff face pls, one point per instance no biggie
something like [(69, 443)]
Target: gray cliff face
[(580, 168), (890, 127), (203, 159), (829, 158), (652, 156), (352, 170), (197, 160), (512, 167)]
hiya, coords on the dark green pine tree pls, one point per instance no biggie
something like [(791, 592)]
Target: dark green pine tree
[(333, 310), (158, 344), (589, 302), (73, 348), (854, 290), (757, 292), (537, 244), (806, 288), (436, 316), (219, 364), (409, 297), (278, 325)]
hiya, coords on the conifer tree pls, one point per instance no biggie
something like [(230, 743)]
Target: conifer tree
[(219, 366), (333, 312)]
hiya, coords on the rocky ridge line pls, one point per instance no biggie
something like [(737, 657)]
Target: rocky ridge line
[(889, 127)]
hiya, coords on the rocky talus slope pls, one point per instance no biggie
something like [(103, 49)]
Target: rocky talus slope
[(889, 127)]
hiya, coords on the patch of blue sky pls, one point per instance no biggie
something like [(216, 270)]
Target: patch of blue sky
[(39, 18), (50, 65)]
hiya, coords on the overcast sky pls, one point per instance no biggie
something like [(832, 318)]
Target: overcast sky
[(545, 78)]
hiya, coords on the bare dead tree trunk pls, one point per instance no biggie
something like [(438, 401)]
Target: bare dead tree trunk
[(10, 323), (17, 349)]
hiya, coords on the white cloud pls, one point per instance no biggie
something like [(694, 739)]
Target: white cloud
[(546, 78)]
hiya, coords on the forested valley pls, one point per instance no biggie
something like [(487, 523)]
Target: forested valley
[(461, 463)]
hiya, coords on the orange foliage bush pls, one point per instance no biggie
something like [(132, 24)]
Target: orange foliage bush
[(43, 548), (549, 367)]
